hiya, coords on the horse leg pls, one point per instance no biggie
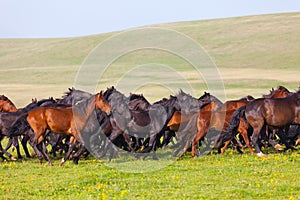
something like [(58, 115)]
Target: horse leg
[(225, 146), (76, 156), (199, 135), (257, 126), (6, 153), (42, 148), (3, 158), (24, 145), (71, 148), (273, 142), (244, 134), (16, 144)]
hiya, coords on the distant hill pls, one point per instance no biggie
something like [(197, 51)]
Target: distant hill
[(252, 53)]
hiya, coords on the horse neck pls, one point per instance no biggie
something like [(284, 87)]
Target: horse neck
[(170, 108), (82, 112), (90, 106)]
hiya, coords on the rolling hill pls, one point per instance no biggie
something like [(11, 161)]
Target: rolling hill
[(253, 54)]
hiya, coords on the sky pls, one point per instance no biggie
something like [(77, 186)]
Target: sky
[(69, 18)]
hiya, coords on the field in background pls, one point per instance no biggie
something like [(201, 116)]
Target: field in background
[(253, 54)]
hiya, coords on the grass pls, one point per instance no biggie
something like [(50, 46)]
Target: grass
[(253, 54), (230, 176)]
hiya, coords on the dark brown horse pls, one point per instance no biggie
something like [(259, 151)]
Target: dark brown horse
[(239, 123), (280, 112), (68, 120), (276, 113)]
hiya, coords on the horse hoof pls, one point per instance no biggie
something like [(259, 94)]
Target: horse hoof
[(51, 164), (13, 158), (262, 155), (61, 164), (279, 147), (297, 142)]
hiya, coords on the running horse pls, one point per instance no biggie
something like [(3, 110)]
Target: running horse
[(280, 112), (238, 123), (68, 120), (6, 106)]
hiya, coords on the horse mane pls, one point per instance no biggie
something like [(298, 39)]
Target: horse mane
[(68, 93), (133, 96)]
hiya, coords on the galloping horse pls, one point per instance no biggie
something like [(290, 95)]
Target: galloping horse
[(238, 123), (6, 106), (6, 121), (69, 121), (272, 112)]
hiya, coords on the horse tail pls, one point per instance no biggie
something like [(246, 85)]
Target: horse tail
[(19, 127), (233, 125)]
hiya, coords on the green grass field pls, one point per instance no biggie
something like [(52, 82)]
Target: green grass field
[(253, 54)]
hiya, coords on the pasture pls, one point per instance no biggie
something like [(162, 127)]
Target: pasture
[(253, 54)]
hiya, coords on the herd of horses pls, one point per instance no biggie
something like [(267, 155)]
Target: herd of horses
[(108, 122)]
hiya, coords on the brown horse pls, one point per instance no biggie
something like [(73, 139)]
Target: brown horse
[(69, 121), (280, 112), (260, 113), (208, 117), (239, 123), (6, 105), (211, 103)]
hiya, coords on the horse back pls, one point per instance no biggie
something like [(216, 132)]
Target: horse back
[(280, 112), (57, 120)]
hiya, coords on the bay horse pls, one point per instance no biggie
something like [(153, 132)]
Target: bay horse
[(239, 124), (280, 112), (264, 112), (69, 120)]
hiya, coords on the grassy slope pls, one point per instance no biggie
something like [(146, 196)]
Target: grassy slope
[(253, 54)]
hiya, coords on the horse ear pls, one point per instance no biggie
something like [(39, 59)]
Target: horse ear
[(101, 92)]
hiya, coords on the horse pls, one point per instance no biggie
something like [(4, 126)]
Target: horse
[(71, 97), (6, 121), (239, 124), (69, 120), (6, 105), (148, 122), (278, 113)]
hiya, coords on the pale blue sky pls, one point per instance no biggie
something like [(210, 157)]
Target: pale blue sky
[(65, 18)]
